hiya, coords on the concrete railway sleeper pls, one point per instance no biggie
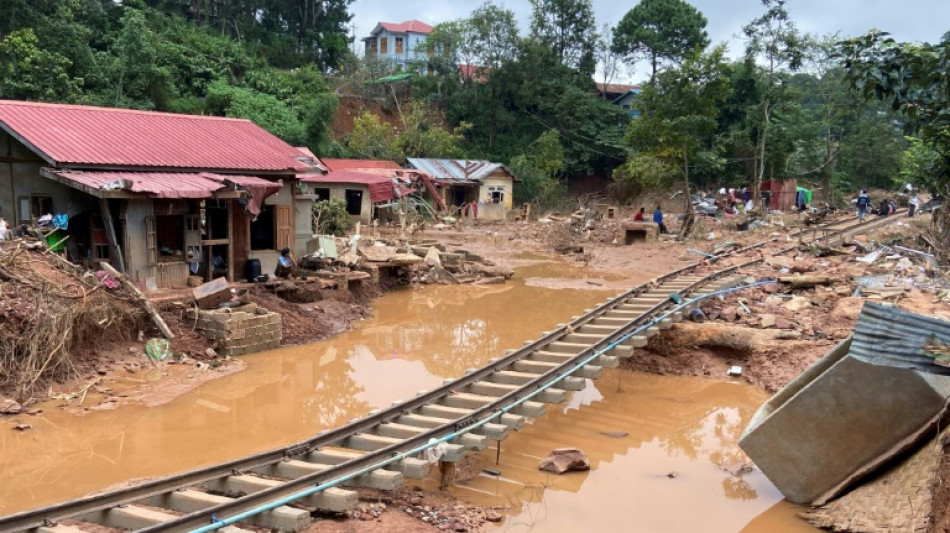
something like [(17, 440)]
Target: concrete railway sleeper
[(462, 415)]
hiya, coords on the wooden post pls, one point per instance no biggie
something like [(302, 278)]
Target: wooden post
[(231, 274), (114, 249), (141, 299)]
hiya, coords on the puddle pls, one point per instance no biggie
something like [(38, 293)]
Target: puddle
[(664, 457), (416, 339)]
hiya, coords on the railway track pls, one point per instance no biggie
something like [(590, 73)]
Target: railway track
[(279, 488)]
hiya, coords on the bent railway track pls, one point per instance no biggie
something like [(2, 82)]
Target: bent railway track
[(279, 488)]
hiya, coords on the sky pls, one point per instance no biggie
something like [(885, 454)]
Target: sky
[(906, 20)]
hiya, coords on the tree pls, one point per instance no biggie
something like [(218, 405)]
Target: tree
[(607, 57), (539, 169), (28, 72), (773, 40), (374, 139), (912, 78), (661, 31), (262, 109), (136, 72), (675, 133), (568, 28)]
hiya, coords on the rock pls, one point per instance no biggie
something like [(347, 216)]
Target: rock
[(493, 516), (781, 323), (797, 304), (432, 257), (614, 434), (729, 314), (492, 471), (847, 309), (9, 406), (564, 460), (102, 371), (22, 427), (498, 280), (34, 412), (774, 301), (766, 321), (771, 288)]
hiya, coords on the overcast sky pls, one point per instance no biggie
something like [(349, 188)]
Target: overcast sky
[(906, 20)]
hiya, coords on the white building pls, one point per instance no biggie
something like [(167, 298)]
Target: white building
[(401, 43)]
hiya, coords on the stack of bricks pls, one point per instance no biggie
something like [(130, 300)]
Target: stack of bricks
[(240, 330)]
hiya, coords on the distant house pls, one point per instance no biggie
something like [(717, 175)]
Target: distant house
[(622, 95), (401, 44), (463, 182), (157, 195), (364, 185)]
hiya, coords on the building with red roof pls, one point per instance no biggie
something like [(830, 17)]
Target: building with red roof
[(402, 44), (158, 195)]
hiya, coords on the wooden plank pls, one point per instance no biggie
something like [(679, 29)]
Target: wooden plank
[(116, 250), (137, 294)]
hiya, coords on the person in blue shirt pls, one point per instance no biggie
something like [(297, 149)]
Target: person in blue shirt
[(285, 264), (863, 205), (658, 219)]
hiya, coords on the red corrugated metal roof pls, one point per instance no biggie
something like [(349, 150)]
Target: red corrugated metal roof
[(108, 137), (381, 189), (160, 184), (358, 164), (409, 25)]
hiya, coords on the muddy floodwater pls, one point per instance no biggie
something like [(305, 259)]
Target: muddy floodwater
[(663, 450)]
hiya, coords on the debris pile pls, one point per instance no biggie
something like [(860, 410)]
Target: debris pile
[(51, 311)]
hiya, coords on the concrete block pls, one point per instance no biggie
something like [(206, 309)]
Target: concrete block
[(283, 518), (409, 467), (292, 469), (533, 367), (127, 517)]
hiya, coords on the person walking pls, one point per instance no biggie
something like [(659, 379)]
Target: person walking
[(914, 205), (658, 219), (863, 204)]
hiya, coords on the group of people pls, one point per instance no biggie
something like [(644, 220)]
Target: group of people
[(657, 218), (886, 207)]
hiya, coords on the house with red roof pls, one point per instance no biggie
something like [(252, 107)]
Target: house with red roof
[(402, 44), (368, 187), (157, 195)]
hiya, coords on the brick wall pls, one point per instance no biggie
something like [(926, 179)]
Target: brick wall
[(241, 330)]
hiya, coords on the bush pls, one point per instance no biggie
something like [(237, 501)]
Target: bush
[(330, 218)]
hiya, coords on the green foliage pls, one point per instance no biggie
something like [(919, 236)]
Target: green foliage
[(260, 108), (567, 28), (28, 72), (662, 31), (539, 169), (374, 139), (330, 218), (675, 133), (920, 164)]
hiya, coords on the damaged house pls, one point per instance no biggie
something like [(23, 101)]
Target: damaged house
[(488, 185), (157, 195), (365, 186)]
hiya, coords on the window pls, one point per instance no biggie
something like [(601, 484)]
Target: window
[(263, 230), (398, 45), (354, 201), (322, 194), (33, 207), (383, 45), (496, 195)]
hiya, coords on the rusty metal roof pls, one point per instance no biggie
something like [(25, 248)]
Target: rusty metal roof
[(358, 164), (73, 135), (459, 170), (892, 337), (157, 184)]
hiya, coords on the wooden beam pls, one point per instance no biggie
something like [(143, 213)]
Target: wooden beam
[(141, 299), (231, 274), (114, 249)]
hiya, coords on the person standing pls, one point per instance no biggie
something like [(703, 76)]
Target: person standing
[(639, 216), (914, 205), (658, 219), (863, 204)]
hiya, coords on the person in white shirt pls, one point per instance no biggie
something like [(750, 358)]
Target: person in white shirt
[(914, 205)]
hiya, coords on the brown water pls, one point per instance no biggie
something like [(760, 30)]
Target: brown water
[(415, 340), (676, 469)]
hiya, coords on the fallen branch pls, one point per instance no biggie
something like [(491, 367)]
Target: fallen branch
[(806, 282)]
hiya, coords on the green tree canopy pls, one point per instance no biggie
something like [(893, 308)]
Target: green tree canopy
[(661, 31)]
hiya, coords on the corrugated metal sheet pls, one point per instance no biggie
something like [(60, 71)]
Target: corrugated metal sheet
[(163, 184), (381, 189), (458, 170), (888, 336), (358, 164), (85, 135)]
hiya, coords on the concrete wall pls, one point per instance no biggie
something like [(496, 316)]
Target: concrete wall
[(20, 177), (338, 191), (244, 330), (490, 211)]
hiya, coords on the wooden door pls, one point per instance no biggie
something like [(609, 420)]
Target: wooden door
[(283, 217), (240, 239)]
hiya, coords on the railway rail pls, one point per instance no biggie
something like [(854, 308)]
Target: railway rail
[(277, 489)]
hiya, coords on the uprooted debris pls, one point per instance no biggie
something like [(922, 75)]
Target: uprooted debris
[(50, 311)]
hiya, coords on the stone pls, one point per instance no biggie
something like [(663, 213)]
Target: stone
[(797, 304), (493, 516), (614, 434), (432, 257), (22, 427), (766, 320), (563, 460), (729, 314), (771, 288), (781, 323), (9, 406)]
